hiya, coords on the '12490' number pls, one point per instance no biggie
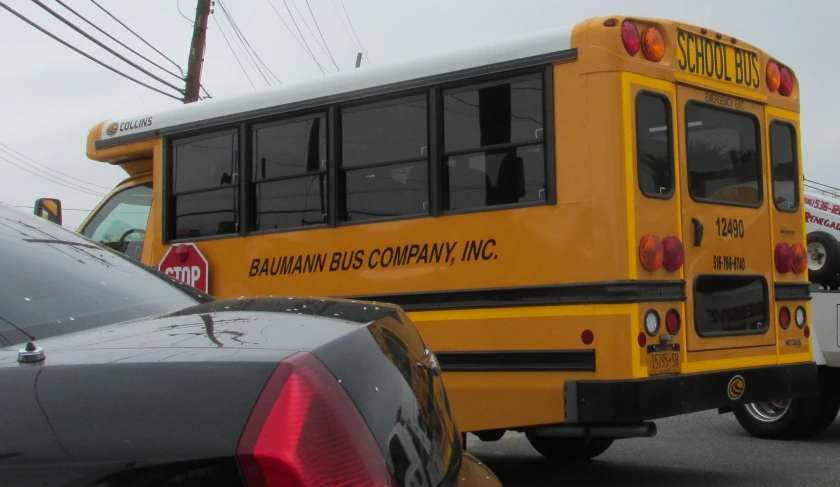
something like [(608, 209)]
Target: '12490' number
[(730, 227)]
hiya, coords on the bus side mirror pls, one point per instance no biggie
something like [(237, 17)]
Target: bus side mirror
[(49, 209)]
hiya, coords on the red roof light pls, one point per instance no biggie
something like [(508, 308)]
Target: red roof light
[(630, 38)]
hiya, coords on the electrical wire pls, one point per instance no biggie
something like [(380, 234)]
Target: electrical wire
[(234, 52), (291, 32), (242, 37), (256, 61), (17, 155), (329, 53), (306, 24), (178, 6), (344, 24), (103, 46), (77, 14), (79, 51), (301, 35), (54, 181), (139, 36), (354, 31), (248, 59)]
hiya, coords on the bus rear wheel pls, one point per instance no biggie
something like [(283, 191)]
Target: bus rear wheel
[(568, 450)]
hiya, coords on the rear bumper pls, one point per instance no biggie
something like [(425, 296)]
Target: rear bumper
[(633, 401)]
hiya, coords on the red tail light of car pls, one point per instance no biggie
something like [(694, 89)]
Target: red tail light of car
[(305, 431)]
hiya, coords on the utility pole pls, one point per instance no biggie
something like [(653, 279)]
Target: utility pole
[(199, 38)]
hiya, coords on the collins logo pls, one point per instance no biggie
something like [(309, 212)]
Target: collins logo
[(112, 129), (736, 387)]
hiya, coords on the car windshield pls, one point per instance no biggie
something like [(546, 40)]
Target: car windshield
[(53, 282)]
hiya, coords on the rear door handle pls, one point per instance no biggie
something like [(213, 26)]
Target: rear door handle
[(698, 232)]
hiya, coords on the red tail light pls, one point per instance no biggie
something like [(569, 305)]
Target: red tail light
[(650, 252), (785, 82), (630, 37), (784, 258), (672, 321), (674, 255), (784, 317), (305, 431), (800, 258)]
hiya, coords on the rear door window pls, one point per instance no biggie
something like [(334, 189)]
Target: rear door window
[(785, 167), (654, 153), (723, 156), (730, 305)]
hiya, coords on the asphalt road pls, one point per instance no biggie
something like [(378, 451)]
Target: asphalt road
[(704, 449)]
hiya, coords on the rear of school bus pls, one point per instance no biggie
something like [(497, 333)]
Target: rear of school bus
[(663, 276), (711, 145)]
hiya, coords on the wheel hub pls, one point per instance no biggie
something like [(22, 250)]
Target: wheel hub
[(816, 256), (769, 411)]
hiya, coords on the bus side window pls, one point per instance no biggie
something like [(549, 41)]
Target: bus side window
[(384, 159), (493, 147), (205, 185), (654, 146), (289, 173), (121, 222)]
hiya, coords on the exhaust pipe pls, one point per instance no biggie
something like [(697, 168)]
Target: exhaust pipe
[(618, 431)]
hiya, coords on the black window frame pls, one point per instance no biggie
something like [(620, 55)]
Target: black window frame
[(251, 183), (797, 190), (341, 171), (542, 73), (430, 90), (759, 153), (670, 134), (169, 193)]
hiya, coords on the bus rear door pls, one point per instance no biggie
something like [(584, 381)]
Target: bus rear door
[(726, 223)]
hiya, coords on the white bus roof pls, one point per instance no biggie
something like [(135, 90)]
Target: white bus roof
[(521, 51)]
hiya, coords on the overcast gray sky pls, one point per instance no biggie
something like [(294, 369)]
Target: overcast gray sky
[(51, 96)]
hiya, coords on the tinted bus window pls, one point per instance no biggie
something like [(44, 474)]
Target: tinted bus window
[(205, 190), (654, 149), (384, 159), (724, 161), (289, 173), (494, 144), (785, 167)]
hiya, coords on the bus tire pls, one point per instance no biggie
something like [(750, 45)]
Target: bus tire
[(568, 450), (823, 257)]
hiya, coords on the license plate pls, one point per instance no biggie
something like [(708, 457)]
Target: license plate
[(717, 60), (664, 359)]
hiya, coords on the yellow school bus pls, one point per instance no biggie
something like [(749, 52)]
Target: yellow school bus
[(593, 227)]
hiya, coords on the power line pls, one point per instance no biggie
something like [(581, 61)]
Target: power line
[(139, 36), (252, 55), (21, 157), (321, 34), (176, 75), (245, 40), (239, 45), (234, 52), (54, 181), (354, 30), (306, 24), (301, 35), (291, 32), (178, 6), (79, 51), (103, 46), (343, 23)]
